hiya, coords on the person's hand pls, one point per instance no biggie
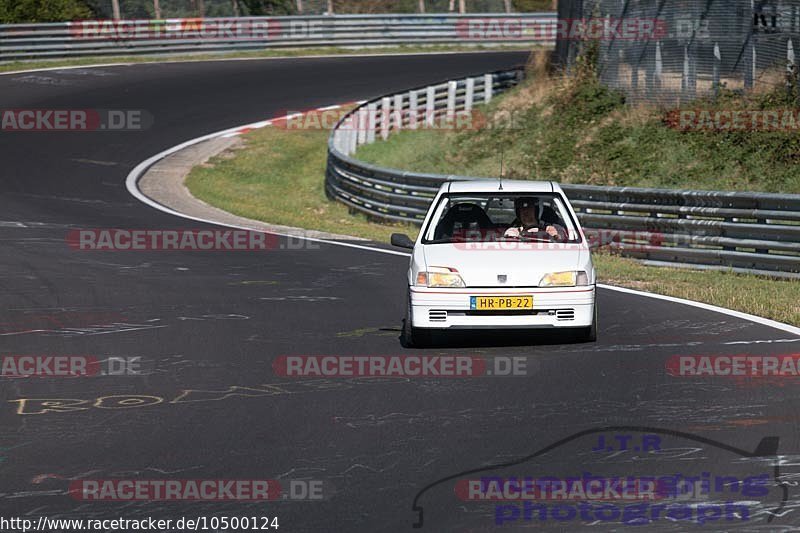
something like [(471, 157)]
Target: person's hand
[(553, 232), (512, 233)]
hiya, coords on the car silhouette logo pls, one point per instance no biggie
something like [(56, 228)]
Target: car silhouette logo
[(502, 278), (764, 459)]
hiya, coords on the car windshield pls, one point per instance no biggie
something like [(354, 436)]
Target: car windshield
[(497, 217)]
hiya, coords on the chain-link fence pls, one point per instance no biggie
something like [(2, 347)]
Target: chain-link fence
[(673, 51)]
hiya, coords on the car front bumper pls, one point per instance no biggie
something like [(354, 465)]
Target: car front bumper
[(567, 307)]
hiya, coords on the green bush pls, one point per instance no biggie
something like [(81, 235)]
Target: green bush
[(533, 5), (16, 11)]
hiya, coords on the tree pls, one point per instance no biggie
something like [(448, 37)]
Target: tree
[(14, 11), (258, 8), (533, 5)]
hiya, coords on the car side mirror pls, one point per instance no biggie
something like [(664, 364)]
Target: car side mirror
[(401, 240)]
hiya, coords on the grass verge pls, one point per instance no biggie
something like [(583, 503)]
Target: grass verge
[(256, 54), (576, 130), (766, 297), (278, 177)]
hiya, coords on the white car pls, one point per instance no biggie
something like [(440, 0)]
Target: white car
[(499, 254)]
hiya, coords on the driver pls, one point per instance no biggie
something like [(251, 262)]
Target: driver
[(527, 222)]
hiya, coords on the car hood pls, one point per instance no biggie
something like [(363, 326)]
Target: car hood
[(522, 266)]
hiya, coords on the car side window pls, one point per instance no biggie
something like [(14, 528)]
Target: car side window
[(560, 216)]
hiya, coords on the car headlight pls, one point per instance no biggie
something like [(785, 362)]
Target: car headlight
[(565, 279), (440, 277)]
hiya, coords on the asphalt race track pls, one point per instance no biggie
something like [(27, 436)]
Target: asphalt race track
[(205, 323)]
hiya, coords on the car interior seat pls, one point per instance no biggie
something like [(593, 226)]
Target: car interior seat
[(464, 216)]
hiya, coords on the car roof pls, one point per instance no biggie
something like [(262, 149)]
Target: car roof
[(493, 185)]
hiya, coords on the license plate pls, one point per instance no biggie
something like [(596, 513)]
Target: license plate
[(500, 303)]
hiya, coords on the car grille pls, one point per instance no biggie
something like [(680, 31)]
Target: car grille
[(565, 314), (437, 316), (560, 314), (507, 312)]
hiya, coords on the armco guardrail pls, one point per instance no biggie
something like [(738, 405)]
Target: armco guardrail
[(108, 37), (756, 232)]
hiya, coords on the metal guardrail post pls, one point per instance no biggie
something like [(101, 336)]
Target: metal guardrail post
[(372, 118), (353, 136), (452, 87), (469, 98), (398, 112), (413, 109), (362, 125), (386, 111), (430, 105)]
